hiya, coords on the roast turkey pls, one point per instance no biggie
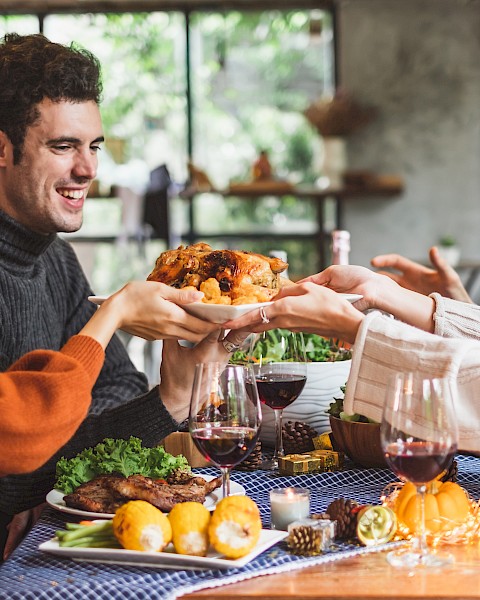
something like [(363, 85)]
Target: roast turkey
[(225, 276)]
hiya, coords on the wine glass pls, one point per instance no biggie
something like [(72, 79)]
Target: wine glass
[(280, 366), (419, 438), (225, 415)]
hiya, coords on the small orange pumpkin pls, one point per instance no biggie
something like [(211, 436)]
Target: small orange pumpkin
[(446, 506)]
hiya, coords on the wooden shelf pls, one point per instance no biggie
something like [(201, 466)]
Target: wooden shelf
[(379, 186)]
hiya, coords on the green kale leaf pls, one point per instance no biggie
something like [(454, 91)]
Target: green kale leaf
[(125, 457)]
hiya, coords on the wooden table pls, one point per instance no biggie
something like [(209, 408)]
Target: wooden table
[(346, 572), (367, 577)]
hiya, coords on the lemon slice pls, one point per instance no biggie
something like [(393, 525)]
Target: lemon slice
[(376, 525)]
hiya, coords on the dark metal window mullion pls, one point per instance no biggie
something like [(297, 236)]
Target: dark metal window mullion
[(188, 89)]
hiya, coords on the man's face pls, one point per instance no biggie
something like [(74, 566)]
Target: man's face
[(46, 190)]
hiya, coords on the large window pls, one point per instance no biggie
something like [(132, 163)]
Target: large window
[(252, 76), (214, 86)]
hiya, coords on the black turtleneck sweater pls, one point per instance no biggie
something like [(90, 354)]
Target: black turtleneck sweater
[(43, 302)]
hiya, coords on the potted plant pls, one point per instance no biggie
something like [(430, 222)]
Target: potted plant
[(449, 250)]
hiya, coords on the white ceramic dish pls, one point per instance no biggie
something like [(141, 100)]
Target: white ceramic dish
[(166, 559), (55, 500), (219, 313), (216, 313), (352, 297)]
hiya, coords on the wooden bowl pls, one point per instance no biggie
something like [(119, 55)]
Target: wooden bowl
[(359, 441)]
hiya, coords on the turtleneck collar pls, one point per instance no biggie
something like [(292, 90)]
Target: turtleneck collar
[(20, 247)]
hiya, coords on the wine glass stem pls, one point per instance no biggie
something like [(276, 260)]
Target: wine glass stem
[(421, 537), (225, 481), (278, 435)]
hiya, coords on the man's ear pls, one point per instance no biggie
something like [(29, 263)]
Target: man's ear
[(6, 149)]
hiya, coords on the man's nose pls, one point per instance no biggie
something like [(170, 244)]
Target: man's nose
[(86, 164)]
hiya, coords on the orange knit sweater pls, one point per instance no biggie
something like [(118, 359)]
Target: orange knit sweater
[(44, 397)]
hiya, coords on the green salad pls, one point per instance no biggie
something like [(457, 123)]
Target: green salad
[(317, 349), (125, 457), (336, 410)]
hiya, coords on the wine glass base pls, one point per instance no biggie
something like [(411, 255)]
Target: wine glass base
[(411, 558), (270, 464)]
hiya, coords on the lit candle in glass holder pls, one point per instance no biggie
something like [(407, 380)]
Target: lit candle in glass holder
[(288, 505)]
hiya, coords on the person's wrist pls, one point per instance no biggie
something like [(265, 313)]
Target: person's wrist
[(116, 308), (352, 324), (170, 394)]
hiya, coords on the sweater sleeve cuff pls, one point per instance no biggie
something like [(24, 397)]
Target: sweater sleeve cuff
[(88, 352), (455, 319)]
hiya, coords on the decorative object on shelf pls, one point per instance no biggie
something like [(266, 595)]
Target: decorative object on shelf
[(198, 180), (335, 118), (262, 169), (263, 179), (338, 116), (449, 250), (333, 162)]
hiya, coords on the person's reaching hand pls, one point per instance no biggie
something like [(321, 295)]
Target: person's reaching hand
[(178, 367), (351, 279), (304, 307), (150, 310), (413, 276), (310, 306)]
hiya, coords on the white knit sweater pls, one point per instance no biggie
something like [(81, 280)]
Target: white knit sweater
[(384, 346)]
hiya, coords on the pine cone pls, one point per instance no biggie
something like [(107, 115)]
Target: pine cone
[(253, 460), (451, 474), (344, 512), (298, 437), (305, 540)]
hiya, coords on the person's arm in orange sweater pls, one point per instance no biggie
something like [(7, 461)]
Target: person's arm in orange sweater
[(45, 395)]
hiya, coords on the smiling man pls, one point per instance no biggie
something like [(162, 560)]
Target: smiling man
[(45, 187), (50, 135)]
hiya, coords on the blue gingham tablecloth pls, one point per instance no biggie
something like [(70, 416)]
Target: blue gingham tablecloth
[(32, 575)]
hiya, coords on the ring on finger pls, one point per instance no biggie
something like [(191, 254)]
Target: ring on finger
[(230, 346)]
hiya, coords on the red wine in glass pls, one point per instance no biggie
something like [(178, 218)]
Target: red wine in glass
[(280, 366), (225, 446), (279, 390), (419, 436), (225, 415), (418, 462)]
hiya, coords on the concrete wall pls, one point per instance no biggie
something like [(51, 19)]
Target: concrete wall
[(418, 61)]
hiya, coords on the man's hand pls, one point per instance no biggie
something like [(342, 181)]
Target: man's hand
[(19, 526), (424, 280), (178, 368)]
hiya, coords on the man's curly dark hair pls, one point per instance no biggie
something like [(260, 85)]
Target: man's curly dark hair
[(32, 68)]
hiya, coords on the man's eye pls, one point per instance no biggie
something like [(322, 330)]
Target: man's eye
[(62, 147), (95, 148)]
